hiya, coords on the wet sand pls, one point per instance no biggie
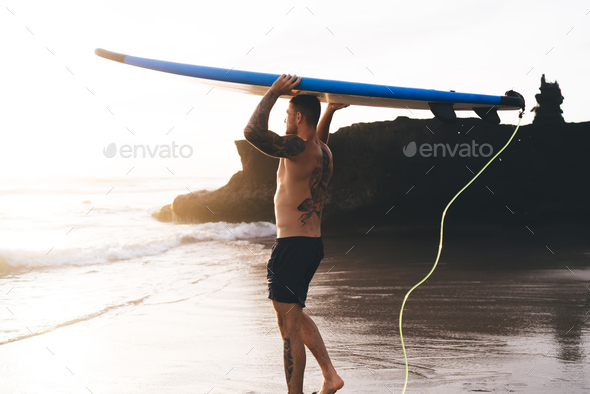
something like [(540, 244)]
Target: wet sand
[(486, 321)]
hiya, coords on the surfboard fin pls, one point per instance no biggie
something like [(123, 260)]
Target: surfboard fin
[(488, 114), (443, 112)]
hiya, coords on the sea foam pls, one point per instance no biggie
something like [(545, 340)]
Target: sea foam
[(146, 244)]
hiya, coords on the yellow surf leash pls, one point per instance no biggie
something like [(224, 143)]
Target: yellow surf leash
[(441, 243)]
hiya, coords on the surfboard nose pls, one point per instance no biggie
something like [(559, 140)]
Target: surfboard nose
[(117, 57)]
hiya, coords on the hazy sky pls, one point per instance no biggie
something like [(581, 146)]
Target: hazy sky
[(61, 104)]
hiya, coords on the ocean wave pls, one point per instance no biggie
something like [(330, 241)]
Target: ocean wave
[(12, 259)]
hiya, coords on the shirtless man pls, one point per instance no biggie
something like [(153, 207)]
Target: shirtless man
[(304, 171)]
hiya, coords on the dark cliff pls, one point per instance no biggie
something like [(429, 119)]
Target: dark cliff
[(542, 173)]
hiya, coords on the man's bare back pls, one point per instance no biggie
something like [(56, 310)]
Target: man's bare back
[(301, 190), (304, 171)]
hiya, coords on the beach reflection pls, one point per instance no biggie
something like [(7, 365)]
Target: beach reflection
[(469, 327)]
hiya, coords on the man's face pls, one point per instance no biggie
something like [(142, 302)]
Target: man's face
[(290, 120)]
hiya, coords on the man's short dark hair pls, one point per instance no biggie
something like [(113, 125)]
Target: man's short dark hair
[(309, 106)]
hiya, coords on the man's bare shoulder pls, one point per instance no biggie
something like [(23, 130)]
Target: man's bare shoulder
[(325, 149), (324, 146), (313, 150)]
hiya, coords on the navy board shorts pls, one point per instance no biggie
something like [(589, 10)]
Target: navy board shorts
[(293, 261)]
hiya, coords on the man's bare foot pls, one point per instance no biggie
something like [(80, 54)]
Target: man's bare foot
[(330, 387)]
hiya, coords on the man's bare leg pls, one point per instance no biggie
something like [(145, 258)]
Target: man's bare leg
[(314, 342), (289, 322)]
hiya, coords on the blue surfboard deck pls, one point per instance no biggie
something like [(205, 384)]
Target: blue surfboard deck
[(326, 90)]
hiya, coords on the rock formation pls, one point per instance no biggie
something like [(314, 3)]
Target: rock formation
[(548, 108), (540, 175)]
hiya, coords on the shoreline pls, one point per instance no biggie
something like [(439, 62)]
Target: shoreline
[(474, 325), (491, 247)]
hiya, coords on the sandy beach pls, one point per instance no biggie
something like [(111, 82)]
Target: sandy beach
[(469, 328)]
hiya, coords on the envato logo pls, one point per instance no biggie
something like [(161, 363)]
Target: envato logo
[(163, 151), (444, 150)]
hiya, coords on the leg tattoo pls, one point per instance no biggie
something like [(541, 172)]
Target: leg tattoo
[(287, 358)]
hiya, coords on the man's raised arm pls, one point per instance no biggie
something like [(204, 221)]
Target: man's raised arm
[(323, 129), (257, 132)]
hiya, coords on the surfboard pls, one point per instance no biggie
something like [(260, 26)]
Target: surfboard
[(443, 104)]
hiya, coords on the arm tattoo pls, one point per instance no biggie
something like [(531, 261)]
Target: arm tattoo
[(287, 358), (318, 184), (269, 143)]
